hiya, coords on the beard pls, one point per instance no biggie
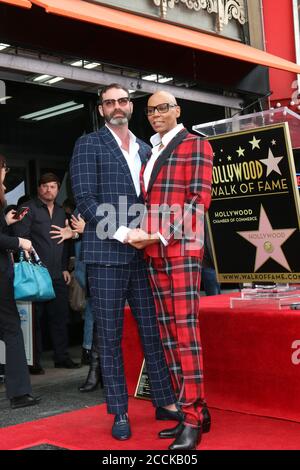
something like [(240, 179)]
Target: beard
[(118, 121)]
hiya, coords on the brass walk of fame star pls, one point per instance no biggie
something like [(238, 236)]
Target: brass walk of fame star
[(268, 241), (272, 163)]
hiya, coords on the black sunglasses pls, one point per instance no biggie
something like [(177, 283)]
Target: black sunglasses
[(161, 108), (121, 101)]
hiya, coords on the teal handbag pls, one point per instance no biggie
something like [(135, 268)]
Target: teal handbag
[(25, 284), (44, 281), (32, 280)]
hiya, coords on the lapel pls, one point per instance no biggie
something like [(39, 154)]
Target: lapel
[(143, 190), (145, 156), (112, 145), (165, 154), (144, 152)]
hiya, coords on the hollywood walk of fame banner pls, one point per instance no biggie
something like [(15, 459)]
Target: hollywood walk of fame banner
[(254, 215)]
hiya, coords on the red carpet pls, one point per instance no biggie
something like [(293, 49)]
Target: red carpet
[(247, 354), (89, 429), (250, 381)]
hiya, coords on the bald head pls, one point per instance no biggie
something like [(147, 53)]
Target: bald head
[(163, 112), (162, 97)]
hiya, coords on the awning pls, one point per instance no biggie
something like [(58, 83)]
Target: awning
[(158, 30), (18, 3)]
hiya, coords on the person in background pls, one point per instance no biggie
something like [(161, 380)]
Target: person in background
[(74, 232), (18, 387), (105, 170), (43, 212), (90, 343), (176, 182)]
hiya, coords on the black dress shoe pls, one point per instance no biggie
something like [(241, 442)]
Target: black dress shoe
[(24, 400), (188, 439), (67, 364), (36, 370), (168, 415), (173, 432)]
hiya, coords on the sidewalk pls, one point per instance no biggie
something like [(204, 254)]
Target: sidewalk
[(58, 389)]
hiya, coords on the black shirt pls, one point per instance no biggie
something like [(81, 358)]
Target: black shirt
[(36, 226)]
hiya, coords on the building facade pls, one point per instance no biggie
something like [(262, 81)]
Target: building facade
[(282, 37), (54, 55)]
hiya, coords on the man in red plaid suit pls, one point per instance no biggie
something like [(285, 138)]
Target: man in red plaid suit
[(176, 183)]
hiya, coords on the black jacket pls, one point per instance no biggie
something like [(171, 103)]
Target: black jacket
[(7, 242), (35, 226)]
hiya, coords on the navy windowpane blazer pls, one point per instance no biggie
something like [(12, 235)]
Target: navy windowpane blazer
[(101, 179)]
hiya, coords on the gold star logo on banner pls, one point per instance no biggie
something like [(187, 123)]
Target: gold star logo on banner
[(240, 152), (255, 143)]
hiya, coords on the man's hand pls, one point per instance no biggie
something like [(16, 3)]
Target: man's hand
[(140, 239), (67, 277), (77, 223), (64, 233)]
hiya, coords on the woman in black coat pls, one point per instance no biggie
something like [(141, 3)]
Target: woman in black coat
[(18, 387)]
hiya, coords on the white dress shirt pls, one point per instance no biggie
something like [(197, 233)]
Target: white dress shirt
[(158, 145), (132, 158)]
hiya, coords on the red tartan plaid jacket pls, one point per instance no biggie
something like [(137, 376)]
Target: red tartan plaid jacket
[(178, 197)]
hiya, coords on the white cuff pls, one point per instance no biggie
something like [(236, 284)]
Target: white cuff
[(121, 233), (162, 239)]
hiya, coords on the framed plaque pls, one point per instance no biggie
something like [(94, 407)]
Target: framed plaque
[(143, 386), (254, 218)]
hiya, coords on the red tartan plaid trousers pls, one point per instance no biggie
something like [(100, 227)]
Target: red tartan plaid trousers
[(176, 287)]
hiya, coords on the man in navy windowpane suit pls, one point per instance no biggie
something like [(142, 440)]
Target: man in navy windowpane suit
[(104, 171)]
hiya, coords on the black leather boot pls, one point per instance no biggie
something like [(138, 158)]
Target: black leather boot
[(94, 377), (188, 439), (206, 424), (171, 433)]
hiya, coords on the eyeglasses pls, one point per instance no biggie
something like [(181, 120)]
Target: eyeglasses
[(121, 101), (161, 108), (6, 169)]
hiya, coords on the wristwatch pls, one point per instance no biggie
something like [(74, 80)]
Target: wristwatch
[(75, 236)]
